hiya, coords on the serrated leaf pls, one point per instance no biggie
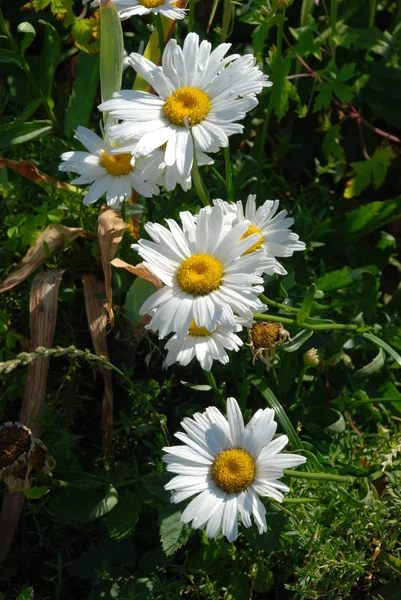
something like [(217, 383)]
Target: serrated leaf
[(369, 171), (29, 36), (86, 34), (173, 533), (121, 523), (105, 505), (331, 145)]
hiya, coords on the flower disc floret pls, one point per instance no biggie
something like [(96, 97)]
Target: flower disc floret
[(117, 164), (151, 3), (200, 274), (187, 106), (196, 331), (252, 229), (233, 470)]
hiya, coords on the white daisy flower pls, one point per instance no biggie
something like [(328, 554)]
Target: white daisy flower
[(207, 277), (111, 173), (133, 8), (228, 466), (275, 237), (203, 344), (198, 92)]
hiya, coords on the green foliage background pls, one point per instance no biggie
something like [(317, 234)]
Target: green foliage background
[(325, 141)]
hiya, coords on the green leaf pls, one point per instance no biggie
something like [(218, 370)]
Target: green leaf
[(26, 594), (331, 145), (375, 365), (7, 56), (49, 58), (105, 505), (281, 416), (382, 344), (280, 67), (22, 117), (111, 52), (121, 523), (83, 31), (297, 341), (29, 36), (306, 304), (80, 104), (173, 533), (139, 291), (369, 171), (198, 387), (306, 11), (392, 560), (35, 493), (25, 132), (339, 279)]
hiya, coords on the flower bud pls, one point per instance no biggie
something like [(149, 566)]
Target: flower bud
[(311, 358), (282, 4)]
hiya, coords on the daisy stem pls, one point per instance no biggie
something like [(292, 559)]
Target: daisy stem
[(212, 382), (160, 31), (191, 16), (286, 307), (198, 183), (229, 175), (321, 476), (303, 325), (279, 45)]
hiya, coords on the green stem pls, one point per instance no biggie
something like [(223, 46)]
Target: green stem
[(279, 46), (198, 183), (319, 476), (212, 382), (227, 16), (160, 31), (372, 12), (302, 501), (275, 304), (32, 81), (191, 16), (333, 23), (299, 383), (229, 175), (317, 327)]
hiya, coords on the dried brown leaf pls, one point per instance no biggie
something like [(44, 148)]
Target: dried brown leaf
[(111, 228), (54, 236), (27, 169), (94, 293), (140, 270), (43, 315)]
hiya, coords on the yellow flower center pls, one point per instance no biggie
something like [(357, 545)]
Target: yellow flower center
[(233, 470), (151, 3), (187, 104), (200, 274), (196, 331), (117, 164), (250, 231)]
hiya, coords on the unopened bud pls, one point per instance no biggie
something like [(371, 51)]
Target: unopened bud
[(282, 4), (311, 358)]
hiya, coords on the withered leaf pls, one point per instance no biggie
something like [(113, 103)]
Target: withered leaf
[(111, 228), (54, 236), (139, 270), (27, 169)]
